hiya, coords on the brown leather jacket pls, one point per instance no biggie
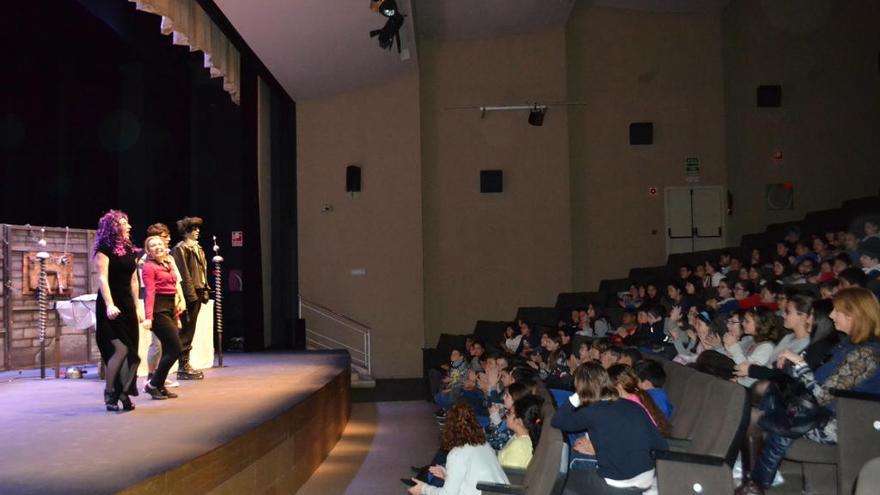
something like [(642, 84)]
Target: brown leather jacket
[(193, 267)]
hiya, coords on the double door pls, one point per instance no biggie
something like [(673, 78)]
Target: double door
[(694, 218)]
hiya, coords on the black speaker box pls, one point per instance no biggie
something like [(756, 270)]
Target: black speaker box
[(770, 96), (641, 133), (491, 181), (352, 178)]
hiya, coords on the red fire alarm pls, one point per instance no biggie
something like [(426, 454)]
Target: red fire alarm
[(778, 157)]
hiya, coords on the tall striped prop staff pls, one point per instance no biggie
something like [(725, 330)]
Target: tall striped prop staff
[(42, 301), (218, 301)]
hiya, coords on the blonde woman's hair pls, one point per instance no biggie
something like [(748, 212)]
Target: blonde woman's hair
[(147, 244), (864, 309), (591, 382)]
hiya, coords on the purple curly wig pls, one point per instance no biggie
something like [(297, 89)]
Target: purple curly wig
[(108, 235)]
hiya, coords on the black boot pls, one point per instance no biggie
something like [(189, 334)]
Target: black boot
[(185, 371)]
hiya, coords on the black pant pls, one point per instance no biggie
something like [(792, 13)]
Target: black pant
[(165, 329), (189, 326)]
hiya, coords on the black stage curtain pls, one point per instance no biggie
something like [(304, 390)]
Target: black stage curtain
[(100, 111)]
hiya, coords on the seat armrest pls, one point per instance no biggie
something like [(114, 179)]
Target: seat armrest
[(485, 487), (849, 394), (515, 476), (509, 471), (668, 455)]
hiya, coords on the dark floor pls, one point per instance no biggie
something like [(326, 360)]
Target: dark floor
[(57, 437), (392, 390)]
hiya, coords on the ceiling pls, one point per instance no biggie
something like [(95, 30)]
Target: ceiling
[(317, 48)]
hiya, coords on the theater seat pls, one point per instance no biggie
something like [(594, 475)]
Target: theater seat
[(804, 450), (681, 474), (708, 420), (549, 466), (869, 478), (858, 434)]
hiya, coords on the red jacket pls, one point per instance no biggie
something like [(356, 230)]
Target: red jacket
[(158, 279)]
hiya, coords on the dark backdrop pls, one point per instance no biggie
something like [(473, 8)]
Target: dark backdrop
[(100, 111)]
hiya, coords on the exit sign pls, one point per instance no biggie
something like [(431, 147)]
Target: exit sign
[(237, 238)]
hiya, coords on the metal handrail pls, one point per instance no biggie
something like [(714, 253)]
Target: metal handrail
[(345, 321), (331, 339), (329, 313)]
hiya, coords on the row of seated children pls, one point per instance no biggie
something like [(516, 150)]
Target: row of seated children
[(795, 261), (638, 381), (495, 422)]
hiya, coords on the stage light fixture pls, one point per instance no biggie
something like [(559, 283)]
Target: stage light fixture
[(388, 8), (391, 31), (536, 116)]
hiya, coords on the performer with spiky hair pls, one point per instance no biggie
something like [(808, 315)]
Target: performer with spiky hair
[(193, 266)]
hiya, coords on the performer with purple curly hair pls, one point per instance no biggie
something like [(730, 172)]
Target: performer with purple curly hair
[(117, 314)]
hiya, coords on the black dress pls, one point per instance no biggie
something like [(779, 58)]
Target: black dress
[(125, 326)]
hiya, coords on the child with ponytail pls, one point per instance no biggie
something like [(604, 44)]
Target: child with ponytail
[(525, 420), (627, 382)]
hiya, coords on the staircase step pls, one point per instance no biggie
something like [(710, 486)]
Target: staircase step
[(362, 381)]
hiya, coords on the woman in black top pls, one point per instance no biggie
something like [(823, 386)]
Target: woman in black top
[(620, 435), (117, 314)]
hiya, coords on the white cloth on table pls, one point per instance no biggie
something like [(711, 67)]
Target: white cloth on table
[(79, 312), (202, 354)]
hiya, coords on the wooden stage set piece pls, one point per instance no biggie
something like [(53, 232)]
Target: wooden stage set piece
[(262, 424), (70, 273)]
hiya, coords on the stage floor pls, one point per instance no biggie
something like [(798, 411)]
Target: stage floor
[(56, 436)]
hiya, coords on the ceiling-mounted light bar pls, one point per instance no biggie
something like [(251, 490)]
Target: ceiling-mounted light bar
[(536, 110)]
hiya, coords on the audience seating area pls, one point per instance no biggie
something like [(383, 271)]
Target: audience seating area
[(707, 428)]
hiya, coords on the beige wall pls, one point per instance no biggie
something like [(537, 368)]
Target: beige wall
[(379, 229), (824, 54), (575, 209), (487, 254), (637, 67)]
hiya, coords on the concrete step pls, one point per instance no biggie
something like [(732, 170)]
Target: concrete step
[(359, 380)]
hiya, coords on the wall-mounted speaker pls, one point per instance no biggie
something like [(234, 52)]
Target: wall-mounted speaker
[(769, 96), (641, 133), (352, 178), (491, 181), (780, 196)]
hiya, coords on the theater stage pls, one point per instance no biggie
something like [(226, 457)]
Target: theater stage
[(262, 423)]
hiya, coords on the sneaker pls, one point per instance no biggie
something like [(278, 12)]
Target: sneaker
[(154, 393), (778, 479), (439, 413), (170, 384), (166, 393)]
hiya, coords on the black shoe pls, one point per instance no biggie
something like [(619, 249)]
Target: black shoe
[(111, 400), (749, 488), (154, 392), (440, 413), (127, 404), (166, 393)]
